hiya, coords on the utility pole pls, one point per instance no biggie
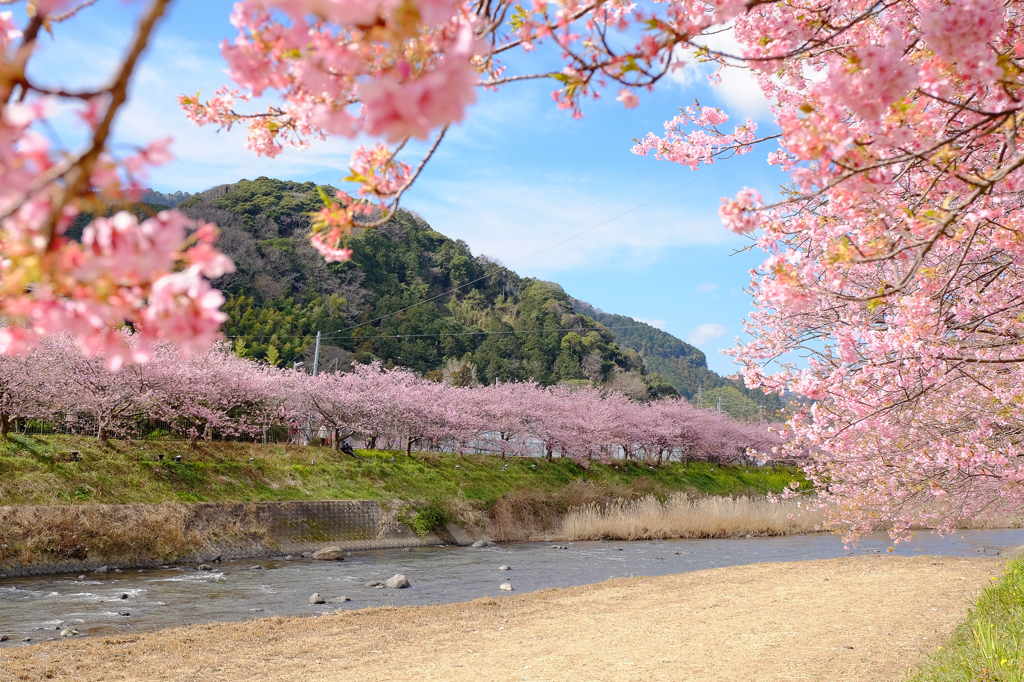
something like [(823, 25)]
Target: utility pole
[(719, 404), (316, 354), (316, 365)]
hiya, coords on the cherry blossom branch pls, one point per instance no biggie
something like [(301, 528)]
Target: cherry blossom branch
[(412, 178), (57, 18)]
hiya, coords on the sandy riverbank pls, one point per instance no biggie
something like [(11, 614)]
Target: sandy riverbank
[(856, 618)]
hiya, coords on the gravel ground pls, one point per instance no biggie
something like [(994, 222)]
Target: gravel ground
[(856, 618)]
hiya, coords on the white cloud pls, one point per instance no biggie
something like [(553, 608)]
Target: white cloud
[(707, 287), (539, 220), (659, 324), (738, 88), (705, 333)]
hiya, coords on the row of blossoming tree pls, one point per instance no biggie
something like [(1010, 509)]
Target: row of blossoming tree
[(219, 394), (893, 259)]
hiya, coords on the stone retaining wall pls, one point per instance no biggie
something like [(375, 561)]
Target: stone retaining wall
[(229, 531)]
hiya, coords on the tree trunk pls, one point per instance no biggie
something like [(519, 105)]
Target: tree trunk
[(193, 439), (408, 446), (101, 432), (547, 451), (335, 444), (5, 425), (372, 444)]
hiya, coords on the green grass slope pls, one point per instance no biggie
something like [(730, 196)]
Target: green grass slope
[(36, 471), (989, 646)]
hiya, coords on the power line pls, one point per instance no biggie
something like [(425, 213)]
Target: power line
[(510, 331), (533, 255), (521, 260)]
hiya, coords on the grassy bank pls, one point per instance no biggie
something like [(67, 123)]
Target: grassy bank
[(989, 645), (508, 500), (36, 471)]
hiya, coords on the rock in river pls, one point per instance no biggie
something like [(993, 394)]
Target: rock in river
[(4, 638), (329, 554), (396, 582), (317, 599), (504, 568), (338, 600), (507, 587), (102, 569), (68, 632), (205, 567)]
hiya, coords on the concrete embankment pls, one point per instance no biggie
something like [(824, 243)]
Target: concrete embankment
[(60, 539)]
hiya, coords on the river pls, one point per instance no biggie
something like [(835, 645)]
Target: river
[(38, 607)]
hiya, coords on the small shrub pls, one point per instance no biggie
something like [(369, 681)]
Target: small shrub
[(429, 518)]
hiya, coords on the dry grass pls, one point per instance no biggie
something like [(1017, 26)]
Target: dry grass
[(682, 516), (523, 515), (855, 619), (119, 533)]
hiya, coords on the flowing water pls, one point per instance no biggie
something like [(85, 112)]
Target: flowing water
[(38, 607)]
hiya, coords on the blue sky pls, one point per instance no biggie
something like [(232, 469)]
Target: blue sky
[(514, 180)]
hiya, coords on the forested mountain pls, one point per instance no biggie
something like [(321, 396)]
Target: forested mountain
[(684, 366), (411, 296)]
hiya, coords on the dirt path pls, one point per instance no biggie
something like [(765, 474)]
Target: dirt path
[(858, 618)]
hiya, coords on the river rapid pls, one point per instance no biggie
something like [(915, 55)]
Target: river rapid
[(38, 607)]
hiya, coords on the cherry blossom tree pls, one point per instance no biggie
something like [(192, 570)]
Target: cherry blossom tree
[(152, 273), (19, 390), (217, 394), (894, 257), (215, 391), (72, 382), (340, 401)]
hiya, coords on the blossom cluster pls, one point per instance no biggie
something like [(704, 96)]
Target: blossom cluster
[(219, 394), (151, 273), (895, 259), (401, 71)]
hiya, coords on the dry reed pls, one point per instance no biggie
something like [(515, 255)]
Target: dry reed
[(682, 516), (524, 515)]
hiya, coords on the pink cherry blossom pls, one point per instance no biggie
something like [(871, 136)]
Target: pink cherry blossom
[(398, 111), (628, 98)]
